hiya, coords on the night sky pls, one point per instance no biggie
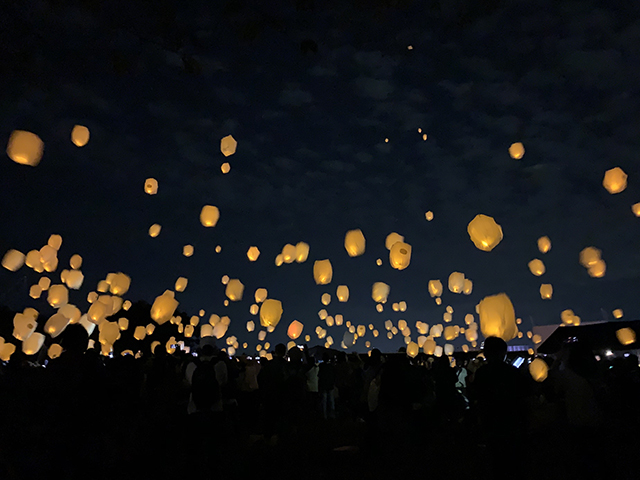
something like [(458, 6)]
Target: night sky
[(310, 90)]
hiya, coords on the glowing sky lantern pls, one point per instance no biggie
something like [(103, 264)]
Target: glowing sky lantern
[(33, 344), (379, 262), (55, 241), (218, 248), (181, 284), (188, 330), (322, 272), (294, 330), (54, 351), (187, 250), (209, 216), (163, 308), (568, 317), (598, 269), (225, 167), (544, 244), (400, 255), (154, 230), (58, 296), (626, 336), (251, 326), (74, 279), (339, 319), (288, 253), (228, 145), (25, 148), (234, 290), (325, 299), (456, 282), (539, 370), (546, 291), (468, 287), (75, 262), (618, 313), (253, 253), (615, 180), (342, 292), (392, 239), (402, 306), (56, 324), (270, 312), (260, 295), (589, 256), (140, 332), (484, 232), (516, 151), (497, 317), (302, 252), (322, 314), (635, 208), (35, 291), (413, 349), (151, 186), (123, 323), (120, 283), (13, 260), (225, 279), (34, 261), (380, 292), (354, 243), (279, 260), (536, 266), (429, 216), (6, 350), (80, 135), (435, 288), (429, 346)]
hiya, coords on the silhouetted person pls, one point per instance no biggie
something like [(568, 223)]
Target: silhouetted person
[(327, 386), (273, 383)]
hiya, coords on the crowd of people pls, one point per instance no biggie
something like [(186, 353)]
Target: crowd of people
[(85, 415)]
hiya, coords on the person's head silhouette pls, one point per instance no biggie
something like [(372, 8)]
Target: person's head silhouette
[(75, 339), (280, 351), (495, 349)]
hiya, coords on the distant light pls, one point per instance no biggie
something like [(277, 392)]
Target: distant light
[(424, 136), (608, 353), (410, 47), (386, 140)]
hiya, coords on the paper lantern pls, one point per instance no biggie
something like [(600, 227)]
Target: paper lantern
[(294, 330), (536, 267), (618, 313), (302, 252), (74, 279), (392, 239), (615, 180), (354, 243), (71, 312), (58, 296), (338, 319), (56, 325), (34, 261), (325, 299), (626, 336), (379, 262), (154, 230), (80, 135), (446, 316), (471, 335), (25, 148), (253, 253), (484, 232), (260, 295), (429, 346), (361, 330), (380, 292), (468, 287), (589, 256), (209, 216), (150, 328), (379, 308), (234, 290), (97, 312), (635, 208), (544, 244), (251, 326), (35, 291), (322, 272), (598, 269), (539, 370), (120, 284), (288, 253), (451, 332), (6, 350), (448, 349), (279, 260), (497, 317), (413, 349), (516, 151), (435, 288), (567, 316), (400, 255), (151, 186), (348, 339), (123, 323), (54, 351), (546, 291), (330, 321), (429, 216), (187, 250), (225, 168), (206, 330), (402, 306), (23, 326), (456, 282), (228, 145), (13, 260), (194, 320), (270, 312), (55, 242), (153, 346), (163, 308), (181, 284), (140, 332), (188, 330), (220, 330), (33, 344), (218, 248), (109, 332), (342, 292)]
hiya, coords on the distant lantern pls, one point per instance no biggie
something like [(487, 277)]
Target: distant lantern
[(154, 230), (380, 292), (536, 266), (451, 332), (260, 295), (567, 316), (58, 296), (302, 252), (413, 349), (25, 148), (456, 282), (123, 323), (194, 320), (615, 180), (234, 290), (34, 261), (598, 269), (187, 250), (54, 351), (402, 306), (55, 241), (325, 299), (342, 292), (225, 279), (209, 216), (163, 308), (80, 135), (435, 288), (354, 243), (626, 336), (516, 150), (120, 284), (251, 326), (497, 317), (225, 167), (484, 232), (468, 287), (270, 312), (228, 145), (140, 332), (6, 350), (74, 279), (635, 208), (589, 256), (13, 260), (35, 291), (400, 255), (75, 262), (322, 314), (188, 331), (279, 260), (56, 325), (429, 346), (33, 344), (429, 216), (539, 370), (322, 272), (151, 186), (544, 244), (379, 262), (218, 248), (150, 328), (253, 253), (618, 313), (546, 291), (181, 284), (288, 253), (294, 330), (392, 239)]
